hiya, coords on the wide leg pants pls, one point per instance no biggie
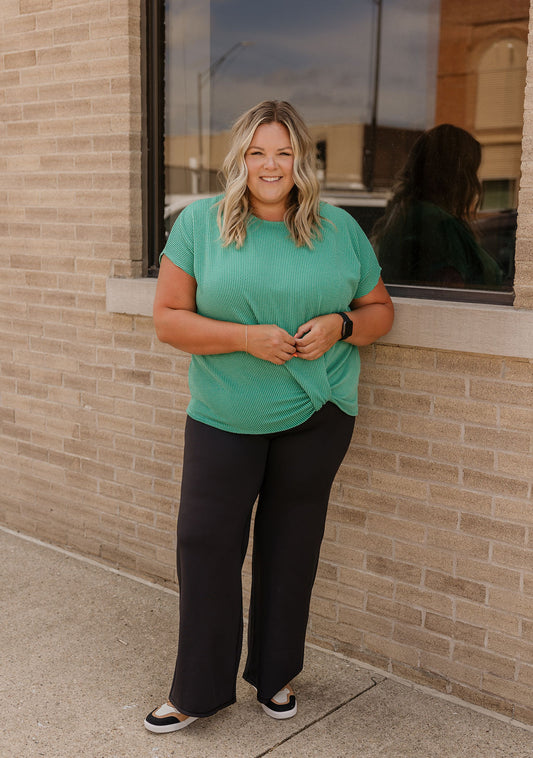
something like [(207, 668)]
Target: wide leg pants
[(223, 474)]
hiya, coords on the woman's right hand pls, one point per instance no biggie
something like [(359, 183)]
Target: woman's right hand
[(270, 343)]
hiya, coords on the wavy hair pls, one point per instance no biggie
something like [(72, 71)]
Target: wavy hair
[(441, 168), (302, 216)]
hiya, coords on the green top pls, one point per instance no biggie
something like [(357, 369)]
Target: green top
[(271, 281), (428, 245)]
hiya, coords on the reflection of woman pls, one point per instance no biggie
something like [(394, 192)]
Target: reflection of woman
[(425, 236), (271, 291)]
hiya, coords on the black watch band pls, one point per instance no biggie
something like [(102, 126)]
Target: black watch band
[(347, 325)]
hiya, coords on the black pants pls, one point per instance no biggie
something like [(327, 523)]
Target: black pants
[(223, 473)]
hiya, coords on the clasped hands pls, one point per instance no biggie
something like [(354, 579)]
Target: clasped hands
[(314, 338)]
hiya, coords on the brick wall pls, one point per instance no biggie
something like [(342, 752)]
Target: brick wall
[(427, 566), (524, 245), (70, 209)]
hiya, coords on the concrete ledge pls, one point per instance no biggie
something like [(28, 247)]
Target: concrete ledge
[(462, 327), (134, 297)]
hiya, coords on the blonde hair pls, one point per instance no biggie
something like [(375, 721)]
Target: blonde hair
[(302, 216)]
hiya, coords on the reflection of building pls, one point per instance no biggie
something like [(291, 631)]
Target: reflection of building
[(392, 146), (341, 148), (342, 144), (480, 85)]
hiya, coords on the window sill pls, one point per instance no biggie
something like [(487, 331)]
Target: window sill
[(461, 327)]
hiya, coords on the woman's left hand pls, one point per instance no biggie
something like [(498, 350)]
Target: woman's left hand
[(315, 337)]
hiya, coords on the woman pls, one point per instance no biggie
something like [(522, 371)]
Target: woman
[(425, 236), (271, 291)]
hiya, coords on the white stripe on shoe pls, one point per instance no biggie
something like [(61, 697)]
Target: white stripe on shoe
[(283, 705), (167, 718)]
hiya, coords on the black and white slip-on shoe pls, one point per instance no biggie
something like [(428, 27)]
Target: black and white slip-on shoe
[(282, 705), (167, 718)]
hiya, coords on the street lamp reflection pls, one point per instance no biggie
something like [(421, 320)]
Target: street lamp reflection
[(203, 78)]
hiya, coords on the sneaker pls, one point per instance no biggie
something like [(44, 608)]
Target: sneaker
[(282, 705), (167, 718)]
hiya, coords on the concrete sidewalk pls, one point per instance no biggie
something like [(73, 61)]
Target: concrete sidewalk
[(87, 652)]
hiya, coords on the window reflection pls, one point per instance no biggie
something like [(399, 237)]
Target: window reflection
[(460, 62), (425, 236)]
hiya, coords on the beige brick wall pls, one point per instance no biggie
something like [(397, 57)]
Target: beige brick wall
[(70, 211), (524, 247), (427, 565)]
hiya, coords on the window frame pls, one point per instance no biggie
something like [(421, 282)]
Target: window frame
[(152, 138), (153, 170), (451, 294)]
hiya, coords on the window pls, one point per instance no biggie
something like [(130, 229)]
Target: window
[(369, 78), (153, 160)]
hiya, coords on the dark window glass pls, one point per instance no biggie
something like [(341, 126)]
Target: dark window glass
[(370, 78)]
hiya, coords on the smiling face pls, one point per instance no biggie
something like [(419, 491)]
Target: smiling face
[(270, 160)]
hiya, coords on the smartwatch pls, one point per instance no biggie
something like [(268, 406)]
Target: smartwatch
[(347, 325)]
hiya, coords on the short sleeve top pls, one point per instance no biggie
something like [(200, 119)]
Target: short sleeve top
[(269, 280)]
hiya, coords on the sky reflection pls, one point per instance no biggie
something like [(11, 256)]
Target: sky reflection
[(319, 55)]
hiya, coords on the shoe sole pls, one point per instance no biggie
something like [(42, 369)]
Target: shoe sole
[(279, 714), (169, 727)]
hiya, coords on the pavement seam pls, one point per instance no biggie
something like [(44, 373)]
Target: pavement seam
[(375, 682), (429, 691)]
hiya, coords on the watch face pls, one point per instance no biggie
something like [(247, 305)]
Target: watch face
[(347, 326)]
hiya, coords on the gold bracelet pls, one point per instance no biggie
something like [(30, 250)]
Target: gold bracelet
[(246, 338)]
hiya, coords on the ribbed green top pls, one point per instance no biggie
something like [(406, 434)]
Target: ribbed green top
[(271, 281)]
